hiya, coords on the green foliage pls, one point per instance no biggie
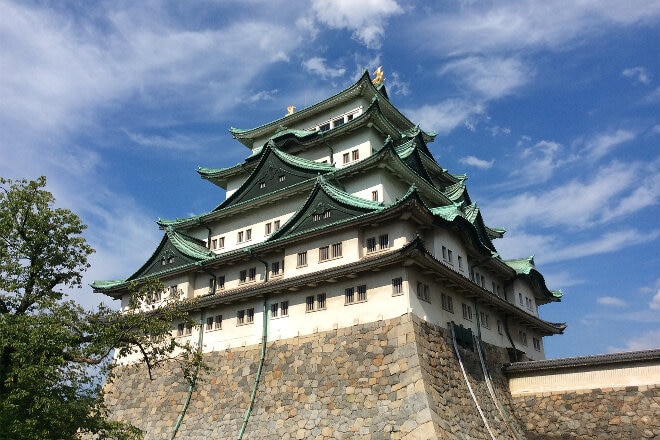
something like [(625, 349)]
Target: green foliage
[(54, 355)]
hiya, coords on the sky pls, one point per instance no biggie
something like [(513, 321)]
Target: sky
[(550, 108)]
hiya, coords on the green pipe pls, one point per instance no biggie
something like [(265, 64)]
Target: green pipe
[(191, 387), (248, 411)]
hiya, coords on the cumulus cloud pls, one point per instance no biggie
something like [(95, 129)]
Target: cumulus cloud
[(319, 67), (611, 301), (476, 162), (639, 74), (366, 18), (540, 162), (444, 116)]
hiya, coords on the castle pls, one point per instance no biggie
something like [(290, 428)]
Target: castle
[(352, 280)]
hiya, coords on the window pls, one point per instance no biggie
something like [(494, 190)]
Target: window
[(240, 237), (529, 303), (447, 255), (217, 322), (170, 260), (384, 241), (338, 122), (447, 302), (249, 315), (302, 259), (212, 285), (188, 330), (520, 300), (325, 214), (349, 295), (523, 337), (345, 158), (371, 244), (324, 127), (336, 250), (467, 312), (262, 185), (460, 263), (397, 286), (179, 329), (485, 320), (362, 292), (268, 229), (355, 154), (172, 291), (320, 301), (240, 317), (500, 327), (275, 268), (214, 244), (276, 225), (324, 253), (221, 242), (252, 273), (423, 292), (309, 304), (281, 178), (248, 234), (221, 281), (209, 323), (242, 276), (279, 309), (374, 196), (537, 344)]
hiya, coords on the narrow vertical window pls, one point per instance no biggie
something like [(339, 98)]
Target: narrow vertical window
[(240, 317), (384, 241), (217, 322), (397, 286), (371, 244), (362, 292), (374, 196), (324, 253), (242, 276), (320, 301), (274, 309), (355, 154), (302, 259), (253, 273), (221, 242), (460, 262), (209, 323), (248, 234), (345, 158), (221, 281), (276, 225), (309, 303), (349, 295), (284, 308), (268, 228), (249, 315), (240, 236), (336, 250)]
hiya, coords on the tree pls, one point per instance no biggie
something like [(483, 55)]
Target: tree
[(54, 354)]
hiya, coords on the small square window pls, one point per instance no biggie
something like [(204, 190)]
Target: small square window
[(214, 244), (242, 276), (324, 127), (221, 242), (262, 185), (523, 337), (500, 327), (212, 285), (274, 309), (309, 304), (460, 263), (346, 158), (249, 315), (281, 178), (284, 308), (355, 154), (423, 292), (275, 268), (276, 225), (240, 317), (485, 320), (179, 329), (268, 228), (371, 244)]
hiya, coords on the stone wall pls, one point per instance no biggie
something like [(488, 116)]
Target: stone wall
[(625, 413), (394, 379)]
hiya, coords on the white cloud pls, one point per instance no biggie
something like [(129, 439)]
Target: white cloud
[(540, 162), (485, 27), (319, 67), (489, 77), (578, 203), (263, 95), (366, 18), (655, 301), (611, 301), (476, 162), (602, 144), (646, 341), (638, 74), (444, 116)]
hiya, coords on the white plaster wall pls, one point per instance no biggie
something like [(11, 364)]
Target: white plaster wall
[(443, 237)]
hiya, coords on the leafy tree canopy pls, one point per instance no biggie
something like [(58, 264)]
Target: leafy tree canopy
[(54, 355)]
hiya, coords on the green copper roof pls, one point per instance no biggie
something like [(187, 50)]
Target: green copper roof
[(525, 267), (325, 206)]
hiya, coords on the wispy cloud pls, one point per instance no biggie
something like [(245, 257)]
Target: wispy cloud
[(646, 341), (602, 144), (476, 162), (319, 67), (366, 19), (638, 74), (611, 301), (655, 301)]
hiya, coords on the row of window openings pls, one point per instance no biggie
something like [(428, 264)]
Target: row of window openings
[(528, 301), (448, 256), (352, 295), (536, 342), (351, 156), (378, 243), (167, 260), (481, 281), (325, 253), (280, 178), (246, 235), (338, 121)]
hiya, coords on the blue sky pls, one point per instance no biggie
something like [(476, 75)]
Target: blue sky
[(550, 108)]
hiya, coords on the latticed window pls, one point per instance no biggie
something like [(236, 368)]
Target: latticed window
[(209, 323), (384, 241), (253, 273), (242, 276), (362, 292), (447, 302), (371, 244), (355, 154), (302, 258), (324, 253), (309, 303), (320, 301), (249, 315), (240, 317), (349, 295), (336, 250), (284, 308), (274, 309), (397, 286), (217, 322)]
